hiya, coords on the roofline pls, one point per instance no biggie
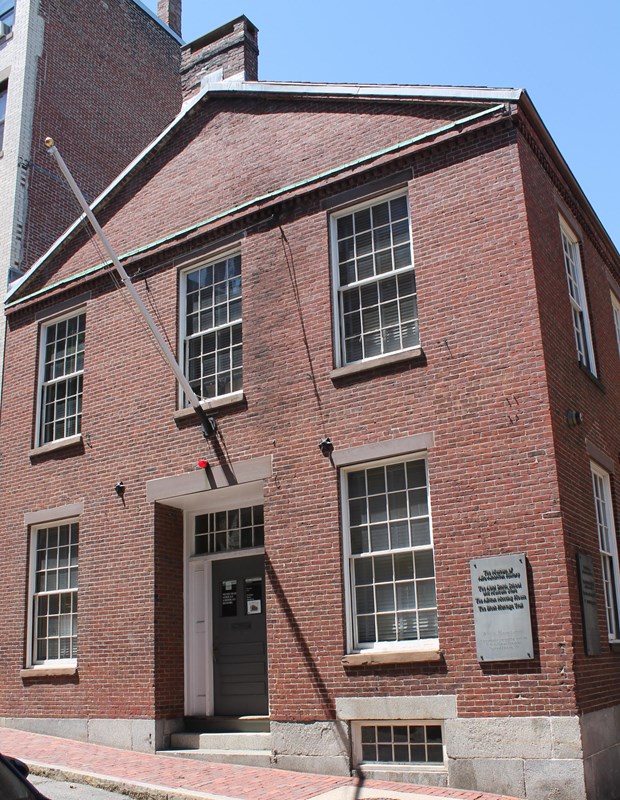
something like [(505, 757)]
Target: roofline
[(245, 206), (154, 16)]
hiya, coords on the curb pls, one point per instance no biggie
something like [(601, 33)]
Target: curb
[(133, 789)]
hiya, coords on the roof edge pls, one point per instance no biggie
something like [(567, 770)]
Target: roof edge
[(154, 16)]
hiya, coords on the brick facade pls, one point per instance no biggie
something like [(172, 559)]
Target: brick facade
[(489, 391)]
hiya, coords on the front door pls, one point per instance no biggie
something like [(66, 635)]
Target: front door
[(239, 637)]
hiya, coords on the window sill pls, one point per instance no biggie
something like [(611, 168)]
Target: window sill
[(369, 658), (614, 645), (48, 672), (212, 405), (594, 378), (51, 447), (376, 363), (7, 37)]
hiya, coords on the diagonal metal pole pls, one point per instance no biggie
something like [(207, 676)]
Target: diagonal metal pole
[(207, 422)]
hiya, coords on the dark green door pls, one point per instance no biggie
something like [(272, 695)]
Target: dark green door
[(239, 637)]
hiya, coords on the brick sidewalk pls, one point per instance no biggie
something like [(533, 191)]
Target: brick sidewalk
[(164, 777)]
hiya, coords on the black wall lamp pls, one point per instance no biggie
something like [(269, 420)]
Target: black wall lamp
[(120, 489), (326, 446)]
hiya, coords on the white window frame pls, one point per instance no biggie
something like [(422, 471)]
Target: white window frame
[(183, 336), (338, 313), (395, 766), (32, 661), (577, 297), (410, 645), (608, 548), (615, 305), (42, 383)]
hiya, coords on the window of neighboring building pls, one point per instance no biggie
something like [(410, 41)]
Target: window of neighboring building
[(3, 96), (62, 368), (608, 547), (615, 304), (7, 16), (389, 546), (403, 742), (211, 327), (376, 299), (577, 294), (54, 593)]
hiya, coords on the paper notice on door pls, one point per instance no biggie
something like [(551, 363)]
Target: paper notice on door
[(254, 595)]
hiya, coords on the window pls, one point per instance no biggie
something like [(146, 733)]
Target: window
[(609, 549), (402, 742), (615, 304), (376, 298), (237, 529), (54, 593), (577, 295), (391, 570), (62, 368), (211, 327), (7, 16), (3, 96)]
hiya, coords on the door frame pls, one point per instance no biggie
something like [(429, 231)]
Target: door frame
[(202, 564)]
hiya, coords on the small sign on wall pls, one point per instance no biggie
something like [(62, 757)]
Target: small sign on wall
[(254, 595), (501, 608)]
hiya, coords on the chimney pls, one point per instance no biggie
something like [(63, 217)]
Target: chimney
[(169, 11), (228, 52)]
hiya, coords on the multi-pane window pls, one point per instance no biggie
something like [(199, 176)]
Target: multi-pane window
[(577, 295), (3, 96), (62, 369), (212, 327), (237, 529), (7, 16), (608, 547), (615, 303), (401, 743), (376, 294), (54, 596), (391, 566)]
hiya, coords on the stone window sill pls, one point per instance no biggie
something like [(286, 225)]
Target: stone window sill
[(51, 447), (48, 672), (212, 405), (360, 367), (370, 658)]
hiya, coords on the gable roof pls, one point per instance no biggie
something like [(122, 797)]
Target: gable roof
[(495, 97)]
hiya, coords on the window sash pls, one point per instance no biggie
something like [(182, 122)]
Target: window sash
[(577, 297), (608, 548), (375, 297), (61, 371), (390, 575), (54, 593), (211, 326)]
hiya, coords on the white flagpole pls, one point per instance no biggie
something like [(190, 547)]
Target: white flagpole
[(208, 423)]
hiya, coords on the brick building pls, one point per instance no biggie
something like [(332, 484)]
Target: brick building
[(103, 78), (427, 292)]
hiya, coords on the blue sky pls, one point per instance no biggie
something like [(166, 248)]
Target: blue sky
[(567, 55)]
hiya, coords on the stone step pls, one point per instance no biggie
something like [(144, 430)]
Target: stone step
[(247, 758), (238, 741), (260, 724)]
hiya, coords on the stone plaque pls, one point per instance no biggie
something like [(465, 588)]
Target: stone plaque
[(587, 593), (501, 608)]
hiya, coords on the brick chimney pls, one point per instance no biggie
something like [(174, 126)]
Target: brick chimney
[(169, 11), (229, 51)]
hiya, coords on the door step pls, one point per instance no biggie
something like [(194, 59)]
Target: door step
[(244, 740)]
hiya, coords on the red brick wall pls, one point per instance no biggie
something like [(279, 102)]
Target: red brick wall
[(571, 388), (481, 389), (107, 83)]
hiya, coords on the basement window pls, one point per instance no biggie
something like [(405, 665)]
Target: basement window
[(406, 743)]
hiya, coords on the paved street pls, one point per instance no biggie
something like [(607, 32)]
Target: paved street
[(65, 790)]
